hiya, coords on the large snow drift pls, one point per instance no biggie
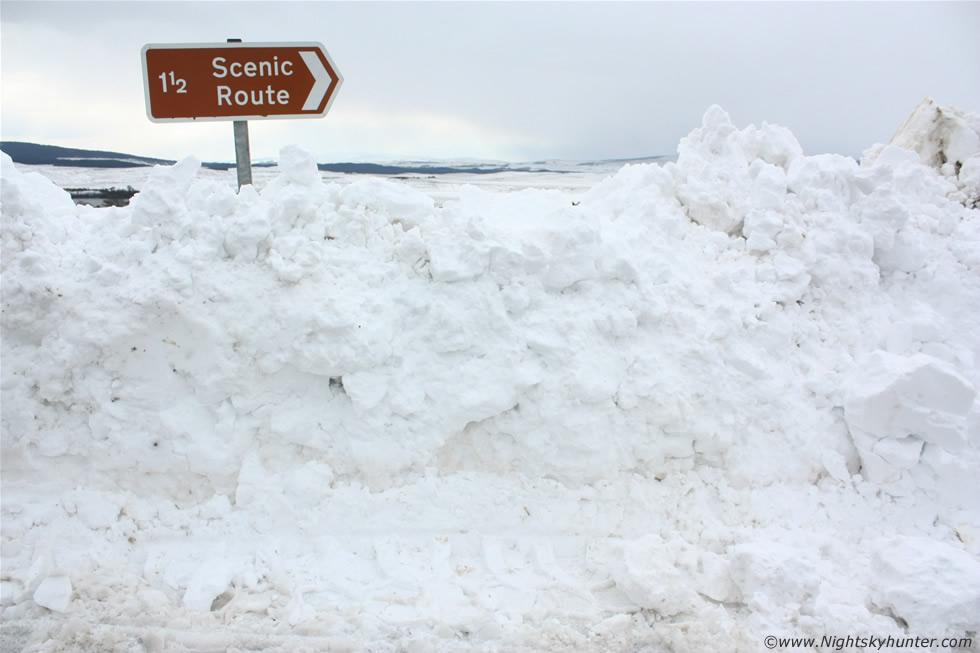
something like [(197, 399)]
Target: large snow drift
[(716, 400)]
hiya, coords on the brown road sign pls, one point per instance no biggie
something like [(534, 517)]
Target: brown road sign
[(238, 81)]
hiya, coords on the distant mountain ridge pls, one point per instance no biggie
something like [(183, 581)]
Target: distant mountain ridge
[(37, 154)]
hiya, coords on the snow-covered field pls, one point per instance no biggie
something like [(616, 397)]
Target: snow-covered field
[(569, 176), (678, 408)]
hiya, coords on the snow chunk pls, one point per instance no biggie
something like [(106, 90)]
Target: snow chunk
[(209, 580), (54, 593), (836, 465), (161, 203), (298, 165), (761, 229), (931, 585), (722, 174), (894, 396), (366, 389), (649, 576)]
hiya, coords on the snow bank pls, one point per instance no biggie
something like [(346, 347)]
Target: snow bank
[(691, 403)]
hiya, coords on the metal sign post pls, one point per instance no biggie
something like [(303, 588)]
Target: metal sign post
[(243, 158)]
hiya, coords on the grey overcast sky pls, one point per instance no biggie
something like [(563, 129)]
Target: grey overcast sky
[(517, 81)]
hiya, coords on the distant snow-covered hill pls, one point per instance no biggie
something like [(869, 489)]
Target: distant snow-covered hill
[(37, 154)]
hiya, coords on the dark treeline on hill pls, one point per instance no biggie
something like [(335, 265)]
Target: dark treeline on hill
[(54, 155), (35, 154)]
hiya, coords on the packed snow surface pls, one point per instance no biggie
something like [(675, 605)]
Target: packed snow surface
[(694, 406)]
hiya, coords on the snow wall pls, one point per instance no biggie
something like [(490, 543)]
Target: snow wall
[(750, 318)]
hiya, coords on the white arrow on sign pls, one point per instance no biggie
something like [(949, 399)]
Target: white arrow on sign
[(321, 76)]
